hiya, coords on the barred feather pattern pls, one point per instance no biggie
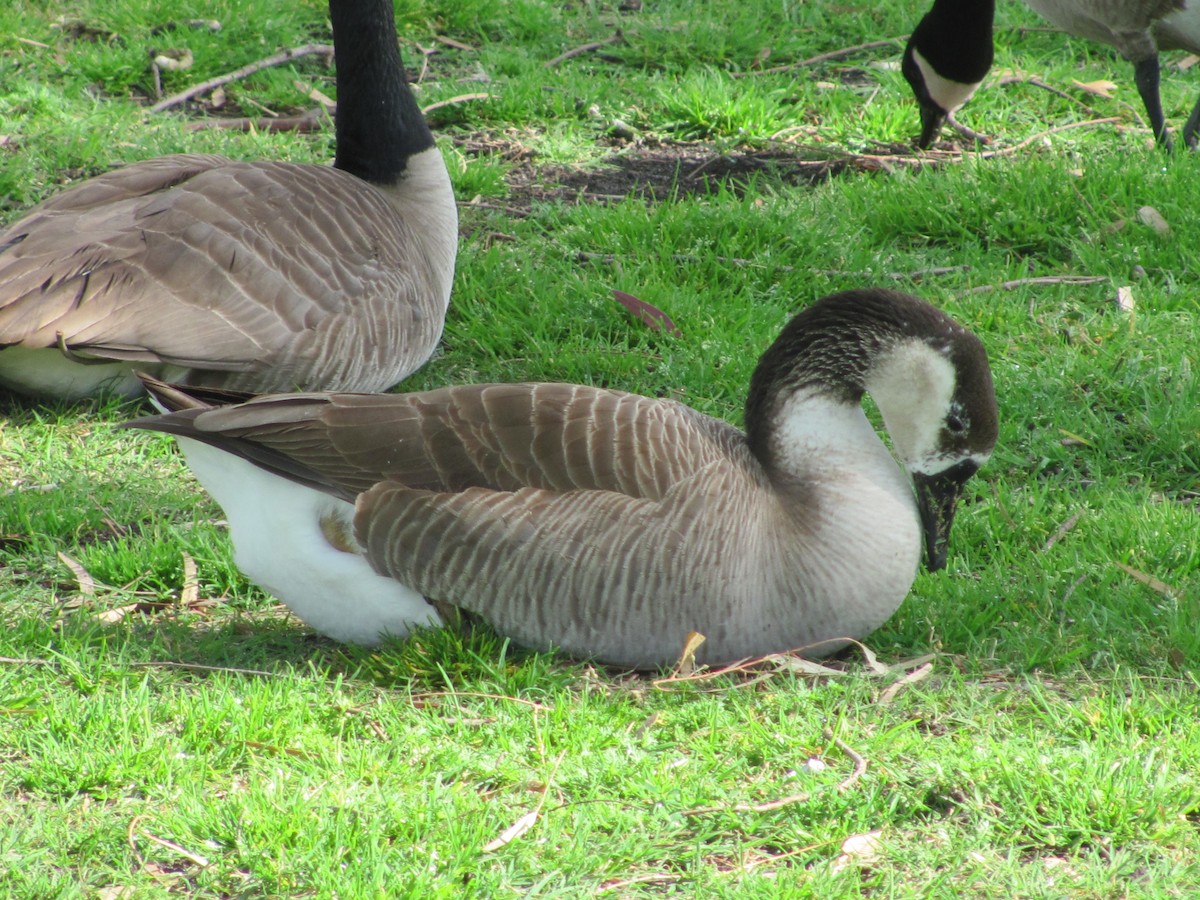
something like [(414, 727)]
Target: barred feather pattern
[(308, 276)]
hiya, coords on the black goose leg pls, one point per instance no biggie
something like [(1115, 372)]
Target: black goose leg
[(1145, 74)]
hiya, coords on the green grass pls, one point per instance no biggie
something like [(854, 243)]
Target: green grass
[(202, 744)]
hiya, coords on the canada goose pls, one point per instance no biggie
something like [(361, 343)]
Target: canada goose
[(1138, 29), (607, 524), (248, 275), (948, 53), (946, 59)]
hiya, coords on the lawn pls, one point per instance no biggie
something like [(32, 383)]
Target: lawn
[(1027, 725)]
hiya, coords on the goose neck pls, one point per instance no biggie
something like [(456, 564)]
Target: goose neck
[(379, 124)]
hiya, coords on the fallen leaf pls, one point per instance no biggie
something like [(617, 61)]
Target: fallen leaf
[(116, 614), (859, 850), (1187, 62), (1099, 88), (1148, 215), (1125, 301), (652, 316), (687, 657), (189, 595), (1160, 587), (918, 674), (87, 584)]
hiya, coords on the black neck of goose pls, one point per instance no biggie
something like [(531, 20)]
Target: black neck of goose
[(379, 124), (956, 37)]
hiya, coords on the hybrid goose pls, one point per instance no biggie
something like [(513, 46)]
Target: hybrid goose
[(606, 524), (949, 51), (946, 59), (261, 276)]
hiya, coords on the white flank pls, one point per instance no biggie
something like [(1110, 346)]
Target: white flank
[(278, 542), (47, 372)]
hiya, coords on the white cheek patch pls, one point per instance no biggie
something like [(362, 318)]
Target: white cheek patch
[(913, 385), (947, 94)]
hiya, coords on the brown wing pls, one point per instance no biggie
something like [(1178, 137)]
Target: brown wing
[(506, 436), (265, 268)]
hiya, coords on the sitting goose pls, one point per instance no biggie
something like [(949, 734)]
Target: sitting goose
[(950, 54), (248, 275), (946, 59), (611, 525)]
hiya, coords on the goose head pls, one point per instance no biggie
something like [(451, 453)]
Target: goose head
[(928, 376), (946, 58)]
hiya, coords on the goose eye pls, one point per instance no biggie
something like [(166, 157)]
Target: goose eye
[(955, 424)]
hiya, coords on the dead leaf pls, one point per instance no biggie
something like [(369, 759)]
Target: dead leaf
[(1187, 62), (512, 832), (1159, 587), (859, 850), (87, 584), (175, 59), (217, 98), (116, 614), (1148, 215), (687, 657), (652, 316), (918, 674), (1125, 301), (189, 595), (1099, 88)]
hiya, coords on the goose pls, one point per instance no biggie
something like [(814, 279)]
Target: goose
[(948, 55), (1139, 29), (256, 276), (610, 525), (945, 60)]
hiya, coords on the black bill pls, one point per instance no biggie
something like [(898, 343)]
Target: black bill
[(937, 496)]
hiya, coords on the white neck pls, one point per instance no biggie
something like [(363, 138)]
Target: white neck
[(946, 93), (818, 435)]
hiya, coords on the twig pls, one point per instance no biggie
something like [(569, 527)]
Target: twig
[(310, 121), (1043, 279), (450, 42), (132, 835), (461, 98), (606, 258), (823, 57), (860, 762), (1008, 151), (1071, 590), (200, 667), (277, 60), (1062, 531), (584, 48), (538, 706), (1038, 83)]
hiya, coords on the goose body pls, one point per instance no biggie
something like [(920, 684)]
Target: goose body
[(611, 525), (948, 53), (260, 276)]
